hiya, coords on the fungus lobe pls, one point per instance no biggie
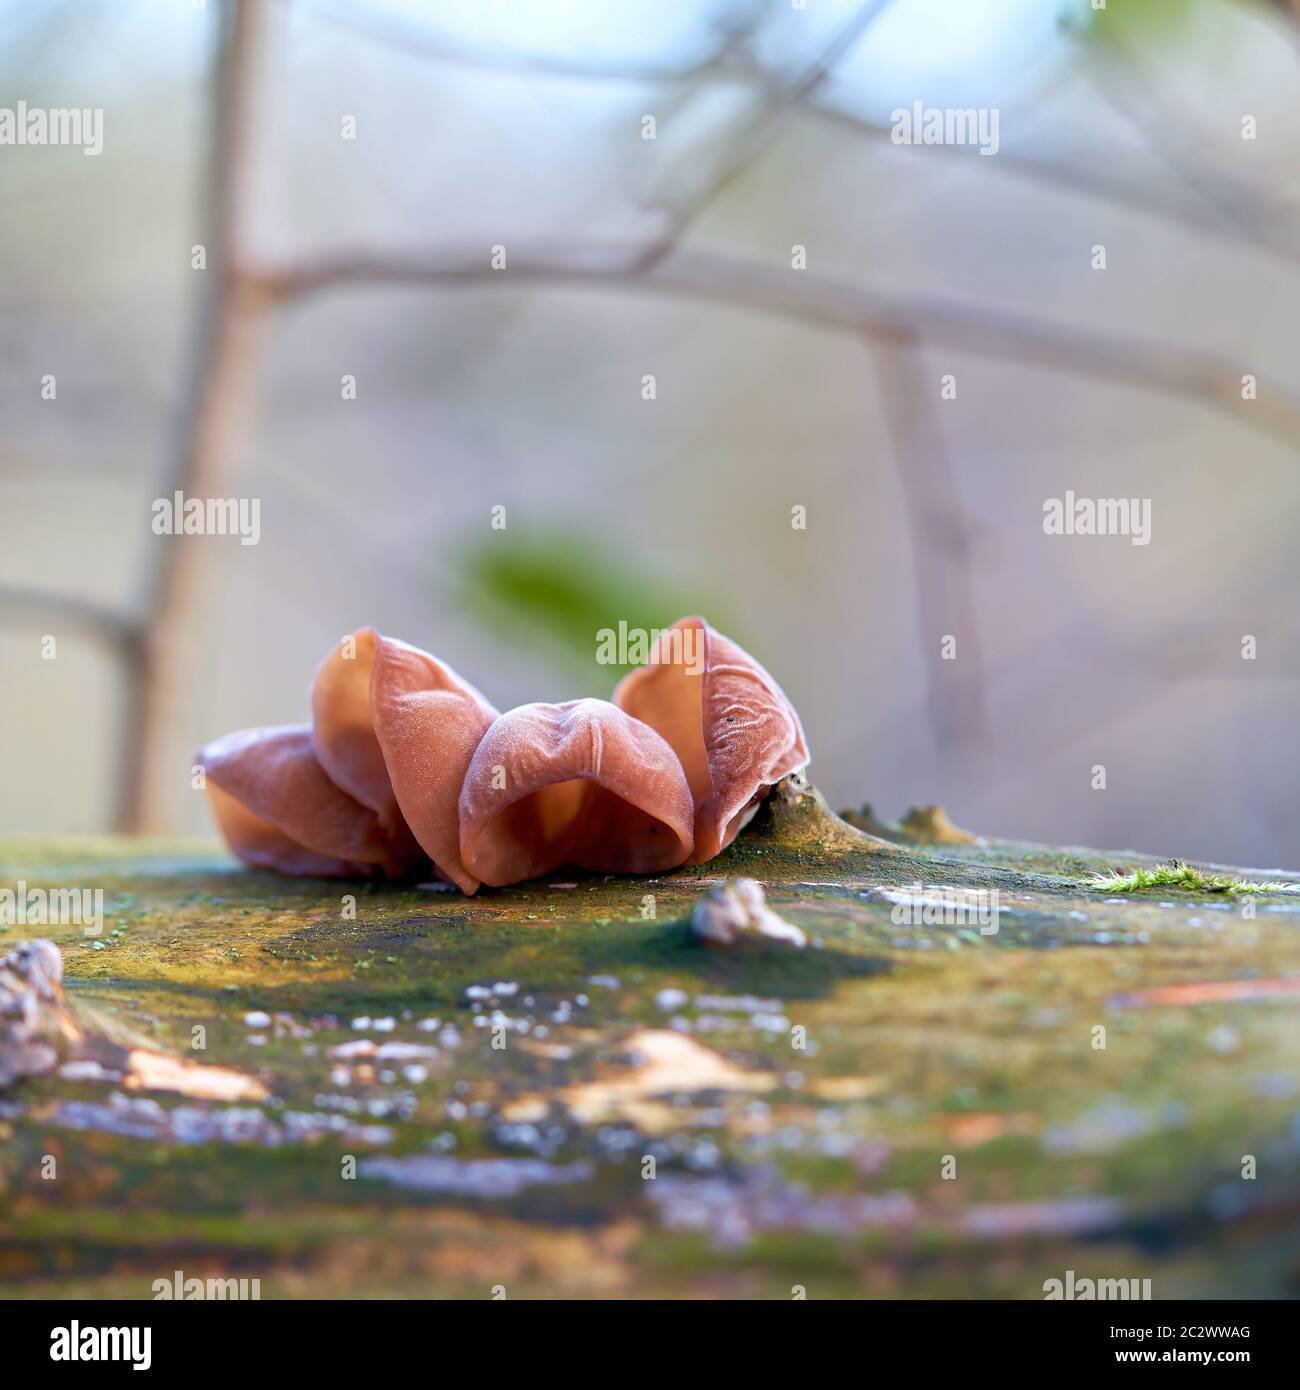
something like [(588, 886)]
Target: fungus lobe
[(582, 783), (279, 810), (396, 728), (373, 780), (726, 718), (404, 759)]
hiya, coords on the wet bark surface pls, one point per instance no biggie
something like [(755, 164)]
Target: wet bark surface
[(558, 1090)]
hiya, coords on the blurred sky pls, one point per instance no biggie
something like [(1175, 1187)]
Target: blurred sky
[(1090, 650)]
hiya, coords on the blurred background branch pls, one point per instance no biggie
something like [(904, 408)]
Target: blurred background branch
[(1208, 379), (778, 97), (1239, 206), (942, 542), (214, 401), (751, 111), (42, 607)]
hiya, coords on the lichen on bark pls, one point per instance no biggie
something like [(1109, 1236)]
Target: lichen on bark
[(503, 1067)]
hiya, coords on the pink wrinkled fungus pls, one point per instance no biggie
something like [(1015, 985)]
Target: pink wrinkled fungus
[(405, 764)]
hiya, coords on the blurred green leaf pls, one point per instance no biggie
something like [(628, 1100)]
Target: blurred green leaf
[(557, 590), (1135, 24)]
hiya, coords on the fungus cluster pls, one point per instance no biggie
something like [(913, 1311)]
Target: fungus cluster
[(404, 762)]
